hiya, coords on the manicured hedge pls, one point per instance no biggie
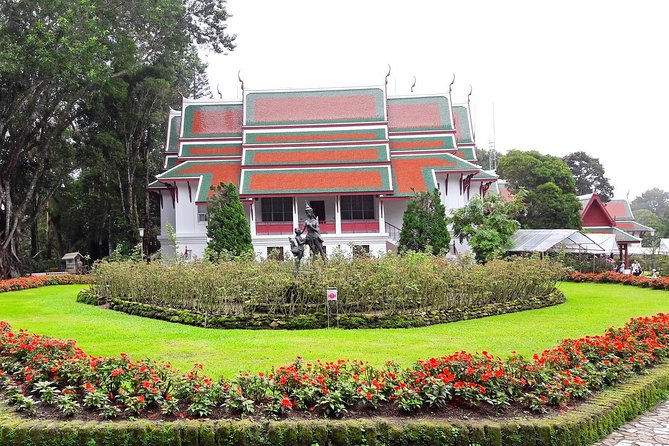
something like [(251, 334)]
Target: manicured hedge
[(582, 425), (659, 283), (407, 285), (319, 320)]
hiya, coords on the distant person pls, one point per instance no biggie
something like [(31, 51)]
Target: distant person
[(621, 268), (655, 274), (610, 261), (636, 268)]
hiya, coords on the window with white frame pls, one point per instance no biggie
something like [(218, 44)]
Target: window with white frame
[(202, 213), (357, 207)]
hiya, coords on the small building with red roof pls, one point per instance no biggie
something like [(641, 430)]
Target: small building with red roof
[(614, 217), (355, 155)]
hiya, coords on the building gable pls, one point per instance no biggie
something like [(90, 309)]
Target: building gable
[(596, 214)]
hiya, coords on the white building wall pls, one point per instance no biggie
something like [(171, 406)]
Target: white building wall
[(333, 243), (394, 210), (191, 234), (167, 217)]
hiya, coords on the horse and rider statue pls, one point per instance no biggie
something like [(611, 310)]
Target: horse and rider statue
[(312, 238)]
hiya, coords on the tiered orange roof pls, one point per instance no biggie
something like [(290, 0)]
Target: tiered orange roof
[(337, 141)]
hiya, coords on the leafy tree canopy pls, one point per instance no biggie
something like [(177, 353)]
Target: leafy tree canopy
[(425, 226), (589, 175), (655, 200), (56, 56), (551, 195), (227, 226), (488, 158), (488, 224)]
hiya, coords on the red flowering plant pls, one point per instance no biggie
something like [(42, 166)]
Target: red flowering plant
[(24, 283), (658, 283), (36, 370)]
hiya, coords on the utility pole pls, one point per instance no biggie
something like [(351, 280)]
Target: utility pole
[(492, 159)]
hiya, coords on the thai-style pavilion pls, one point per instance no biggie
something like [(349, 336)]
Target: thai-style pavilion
[(614, 217), (354, 155)]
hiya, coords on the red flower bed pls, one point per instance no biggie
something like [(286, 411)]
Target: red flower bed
[(660, 283), (36, 370), (23, 283)]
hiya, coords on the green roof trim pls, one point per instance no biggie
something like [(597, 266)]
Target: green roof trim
[(173, 137), (207, 172), (633, 226), (467, 153), (208, 150), (419, 114), (621, 236), (363, 179), (463, 126), (483, 175), (306, 156), (408, 175), (170, 161), (315, 107), (212, 121), (418, 143), (315, 136)]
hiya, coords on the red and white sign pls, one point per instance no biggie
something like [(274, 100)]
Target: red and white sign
[(332, 294)]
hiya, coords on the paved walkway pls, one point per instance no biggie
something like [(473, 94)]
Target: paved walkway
[(650, 429)]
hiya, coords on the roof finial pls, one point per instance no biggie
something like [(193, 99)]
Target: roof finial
[(388, 75), (239, 76), (220, 96), (414, 83), (450, 86), (471, 89)]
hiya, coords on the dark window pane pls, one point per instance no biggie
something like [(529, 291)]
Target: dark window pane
[(357, 207), (277, 209)]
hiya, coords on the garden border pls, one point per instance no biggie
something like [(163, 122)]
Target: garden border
[(581, 425), (313, 321)]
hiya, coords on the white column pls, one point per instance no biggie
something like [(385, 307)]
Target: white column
[(252, 220), (337, 215), (382, 217), (296, 217)]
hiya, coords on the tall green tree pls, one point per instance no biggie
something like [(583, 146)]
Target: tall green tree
[(551, 195), (589, 175), (56, 56), (655, 200), (487, 158), (227, 226), (425, 225), (487, 224)]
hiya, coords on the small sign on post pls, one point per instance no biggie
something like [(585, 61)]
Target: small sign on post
[(331, 296)]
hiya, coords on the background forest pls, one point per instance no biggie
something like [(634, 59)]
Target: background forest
[(85, 87)]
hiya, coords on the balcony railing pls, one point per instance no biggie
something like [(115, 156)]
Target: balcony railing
[(353, 226), (347, 226), (274, 227)]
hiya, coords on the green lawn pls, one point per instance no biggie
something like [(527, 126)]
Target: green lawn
[(590, 309)]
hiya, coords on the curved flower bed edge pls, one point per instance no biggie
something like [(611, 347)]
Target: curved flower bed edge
[(660, 283), (37, 371)]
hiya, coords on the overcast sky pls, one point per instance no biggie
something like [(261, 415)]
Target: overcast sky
[(576, 75)]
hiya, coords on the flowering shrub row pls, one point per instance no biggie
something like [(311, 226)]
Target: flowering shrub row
[(660, 283), (23, 283), (36, 370)]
